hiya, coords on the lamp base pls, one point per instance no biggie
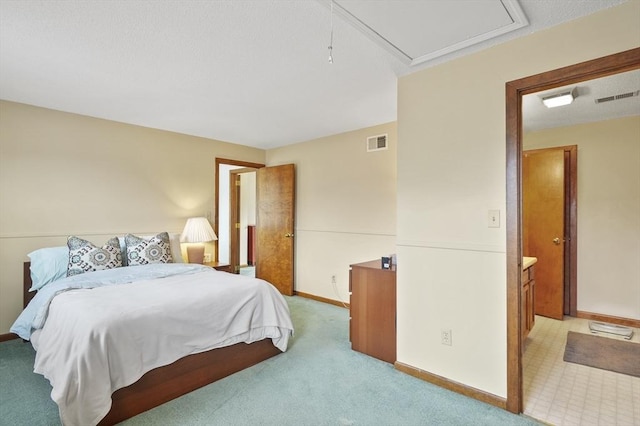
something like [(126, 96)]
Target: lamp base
[(195, 254)]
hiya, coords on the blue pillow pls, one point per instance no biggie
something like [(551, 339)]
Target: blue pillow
[(48, 265)]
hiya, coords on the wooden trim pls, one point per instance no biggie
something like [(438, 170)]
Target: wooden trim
[(452, 385), (514, 248), (8, 336), (322, 299), (230, 162), (235, 204), (234, 218), (601, 67), (571, 249), (609, 318)]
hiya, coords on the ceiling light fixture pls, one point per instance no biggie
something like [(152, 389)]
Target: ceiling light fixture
[(331, 41), (559, 99)]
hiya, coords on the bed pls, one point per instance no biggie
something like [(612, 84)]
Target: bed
[(260, 328)]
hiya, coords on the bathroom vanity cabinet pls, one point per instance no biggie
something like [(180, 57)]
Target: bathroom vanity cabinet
[(528, 312)]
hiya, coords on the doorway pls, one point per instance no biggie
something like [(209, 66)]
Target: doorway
[(275, 219), (515, 90), (242, 212), (222, 216)]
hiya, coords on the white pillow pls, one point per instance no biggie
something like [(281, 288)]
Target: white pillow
[(141, 251), (176, 248), (84, 256), (174, 242)]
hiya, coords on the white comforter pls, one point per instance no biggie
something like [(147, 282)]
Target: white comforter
[(95, 341)]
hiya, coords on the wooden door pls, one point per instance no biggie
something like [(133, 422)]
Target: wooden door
[(275, 190), (234, 220), (543, 215)]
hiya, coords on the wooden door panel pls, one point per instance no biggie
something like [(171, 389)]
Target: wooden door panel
[(234, 218), (275, 189), (543, 217)]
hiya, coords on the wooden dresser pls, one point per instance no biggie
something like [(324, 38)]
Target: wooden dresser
[(372, 324)]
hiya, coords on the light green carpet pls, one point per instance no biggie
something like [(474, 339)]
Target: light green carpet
[(318, 381)]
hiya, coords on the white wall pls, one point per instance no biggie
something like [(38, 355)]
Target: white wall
[(345, 206), (64, 174), (247, 211), (608, 211), (451, 171)]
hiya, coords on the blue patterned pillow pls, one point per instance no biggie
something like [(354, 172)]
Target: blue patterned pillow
[(86, 257), (144, 252)]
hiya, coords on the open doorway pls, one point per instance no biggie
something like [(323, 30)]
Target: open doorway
[(515, 90), (224, 224), (275, 220), (242, 211)]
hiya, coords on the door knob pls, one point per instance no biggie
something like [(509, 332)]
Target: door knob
[(288, 235), (556, 241)]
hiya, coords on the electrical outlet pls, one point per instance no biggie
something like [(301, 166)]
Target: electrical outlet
[(445, 336), (207, 257), (333, 279)]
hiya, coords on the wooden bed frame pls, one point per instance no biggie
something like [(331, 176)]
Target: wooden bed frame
[(185, 375)]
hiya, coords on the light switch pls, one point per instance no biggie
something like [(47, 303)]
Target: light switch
[(494, 218)]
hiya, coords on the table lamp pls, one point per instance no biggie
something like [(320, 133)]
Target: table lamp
[(198, 231)]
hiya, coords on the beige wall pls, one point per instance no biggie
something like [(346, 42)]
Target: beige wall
[(345, 206), (63, 174), (608, 211), (451, 171)]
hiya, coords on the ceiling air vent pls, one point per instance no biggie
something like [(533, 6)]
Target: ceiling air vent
[(617, 97), (376, 143)]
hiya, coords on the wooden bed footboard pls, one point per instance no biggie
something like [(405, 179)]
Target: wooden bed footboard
[(183, 376), (163, 384)]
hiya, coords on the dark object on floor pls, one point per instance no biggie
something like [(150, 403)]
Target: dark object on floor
[(603, 352)]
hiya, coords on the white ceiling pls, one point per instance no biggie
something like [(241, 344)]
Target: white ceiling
[(584, 108), (248, 72)]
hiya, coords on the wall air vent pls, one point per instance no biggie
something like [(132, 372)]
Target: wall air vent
[(617, 97), (376, 143)]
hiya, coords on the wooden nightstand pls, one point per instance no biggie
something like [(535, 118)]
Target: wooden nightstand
[(219, 266), (372, 307)]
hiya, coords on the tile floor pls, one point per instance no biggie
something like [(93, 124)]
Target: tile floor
[(562, 393)]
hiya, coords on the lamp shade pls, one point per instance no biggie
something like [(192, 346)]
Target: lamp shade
[(197, 230)]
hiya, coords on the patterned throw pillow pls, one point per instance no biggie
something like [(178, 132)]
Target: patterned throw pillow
[(86, 257), (144, 252)]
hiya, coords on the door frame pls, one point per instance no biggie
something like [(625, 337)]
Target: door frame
[(514, 91), (218, 162), (571, 230), (235, 191)]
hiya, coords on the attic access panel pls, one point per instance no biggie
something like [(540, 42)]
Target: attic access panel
[(418, 31)]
